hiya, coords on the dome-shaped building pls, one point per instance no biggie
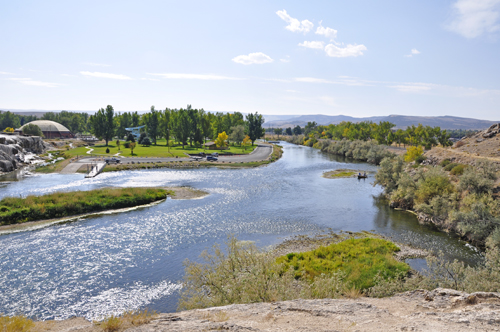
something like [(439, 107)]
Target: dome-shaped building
[(50, 129)]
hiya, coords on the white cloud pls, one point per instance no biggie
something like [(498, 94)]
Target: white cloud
[(285, 60), (29, 81), (294, 24), (105, 75), (414, 51), (149, 79), (205, 77), (96, 64), (253, 58), (472, 18), (412, 87), (313, 44), (327, 32), (5, 73), (339, 52), (311, 80)]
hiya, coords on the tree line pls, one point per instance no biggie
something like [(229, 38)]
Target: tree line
[(75, 122), (381, 132), (185, 125)]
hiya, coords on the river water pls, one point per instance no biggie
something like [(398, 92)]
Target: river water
[(107, 264)]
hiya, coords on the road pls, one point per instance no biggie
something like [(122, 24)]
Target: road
[(261, 152)]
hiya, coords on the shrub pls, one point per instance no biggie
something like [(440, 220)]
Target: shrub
[(111, 324), (145, 141), (444, 163), (420, 159), (432, 183), (15, 324), (479, 179), (459, 144), (458, 170), (130, 138), (126, 145), (107, 150), (450, 166)]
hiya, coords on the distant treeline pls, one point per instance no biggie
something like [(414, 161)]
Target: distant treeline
[(381, 132), (185, 125), (75, 122)]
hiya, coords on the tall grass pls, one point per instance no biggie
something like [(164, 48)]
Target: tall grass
[(62, 204), (15, 324)]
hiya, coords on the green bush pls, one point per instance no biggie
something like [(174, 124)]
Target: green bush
[(360, 259), (107, 150), (458, 170), (450, 166), (445, 163)]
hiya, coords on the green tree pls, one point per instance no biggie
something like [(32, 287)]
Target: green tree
[(31, 129), (166, 125), (297, 130), (152, 123), (237, 134), (278, 131), (132, 147), (254, 123), (102, 123), (182, 127)]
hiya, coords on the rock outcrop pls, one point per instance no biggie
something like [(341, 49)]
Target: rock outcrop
[(437, 310), (13, 149)]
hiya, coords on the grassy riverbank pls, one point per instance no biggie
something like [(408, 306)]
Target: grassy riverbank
[(159, 150), (276, 154), (15, 210)]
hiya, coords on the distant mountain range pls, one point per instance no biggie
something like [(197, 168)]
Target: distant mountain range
[(401, 121)]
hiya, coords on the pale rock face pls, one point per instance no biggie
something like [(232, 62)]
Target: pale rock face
[(13, 148)]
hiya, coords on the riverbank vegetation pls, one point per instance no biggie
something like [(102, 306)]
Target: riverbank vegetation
[(15, 210), (340, 173), (246, 275), (454, 197), (361, 265), (368, 151)]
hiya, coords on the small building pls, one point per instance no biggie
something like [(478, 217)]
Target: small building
[(213, 146), (50, 129)]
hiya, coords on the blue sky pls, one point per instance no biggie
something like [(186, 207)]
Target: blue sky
[(358, 58)]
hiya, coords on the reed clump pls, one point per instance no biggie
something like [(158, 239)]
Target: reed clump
[(63, 204)]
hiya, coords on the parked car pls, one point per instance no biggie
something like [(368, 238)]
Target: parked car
[(112, 160), (215, 154), (210, 157)]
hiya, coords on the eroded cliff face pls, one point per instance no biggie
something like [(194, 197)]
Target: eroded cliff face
[(14, 148)]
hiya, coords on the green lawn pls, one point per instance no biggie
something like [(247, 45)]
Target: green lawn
[(159, 150)]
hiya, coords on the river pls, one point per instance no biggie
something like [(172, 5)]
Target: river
[(107, 264)]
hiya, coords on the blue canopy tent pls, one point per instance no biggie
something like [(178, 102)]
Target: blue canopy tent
[(136, 131)]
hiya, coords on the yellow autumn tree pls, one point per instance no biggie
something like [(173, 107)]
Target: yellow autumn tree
[(246, 142), (413, 152), (221, 139)]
